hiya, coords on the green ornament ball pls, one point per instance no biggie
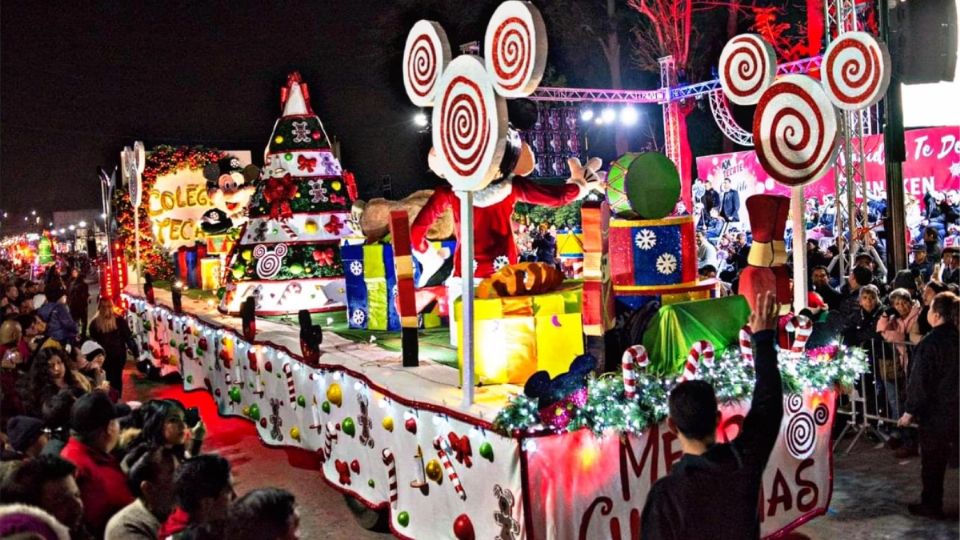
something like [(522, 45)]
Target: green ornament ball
[(235, 394), (301, 401), (403, 518), (295, 269), (288, 156), (371, 483), (189, 379), (255, 412), (238, 271), (653, 185), (486, 451), (348, 426), (325, 407)]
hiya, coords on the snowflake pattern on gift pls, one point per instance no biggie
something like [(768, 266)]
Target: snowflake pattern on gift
[(645, 239), (500, 262), (358, 317), (318, 192), (666, 264), (356, 268), (300, 132)]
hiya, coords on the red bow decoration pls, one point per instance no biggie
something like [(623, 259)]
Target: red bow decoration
[(305, 163), (334, 225), (278, 193), (323, 257), (351, 184), (461, 448)]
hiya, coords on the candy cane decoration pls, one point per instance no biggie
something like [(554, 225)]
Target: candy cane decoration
[(391, 476), (702, 351), (855, 71), (746, 347), (330, 439), (443, 450), (288, 230), (291, 385), (634, 358), (748, 66), (801, 327), (795, 130), (291, 288)]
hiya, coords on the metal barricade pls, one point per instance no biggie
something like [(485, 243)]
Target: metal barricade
[(878, 397)]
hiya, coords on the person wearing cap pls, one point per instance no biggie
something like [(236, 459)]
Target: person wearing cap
[(921, 266), (27, 436), (60, 325), (951, 266), (96, 431)]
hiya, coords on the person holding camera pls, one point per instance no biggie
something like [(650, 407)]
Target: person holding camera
[(894, 327)]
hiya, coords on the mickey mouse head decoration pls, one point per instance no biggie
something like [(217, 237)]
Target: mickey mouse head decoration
[(468, 93), (229, 187)]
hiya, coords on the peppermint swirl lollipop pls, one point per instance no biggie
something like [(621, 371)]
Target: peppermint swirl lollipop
[(801, 435), (269, 264), (515, 48), (795, 130), (856, 71), (425, 56), (469, 125), (748, 66)]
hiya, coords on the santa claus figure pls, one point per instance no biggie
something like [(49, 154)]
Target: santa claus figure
[(494, 245)]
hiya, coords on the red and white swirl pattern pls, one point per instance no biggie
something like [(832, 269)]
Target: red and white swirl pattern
[(855, 71), (425, 56), (748, 66), (469, 125), (269, 264), (795, 130), (515, 48)]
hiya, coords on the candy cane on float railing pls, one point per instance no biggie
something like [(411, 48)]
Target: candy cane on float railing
[(701, 351), (634, 358), (388, 460), (291, 384), (444, 451), (801, 327), (746, 347)]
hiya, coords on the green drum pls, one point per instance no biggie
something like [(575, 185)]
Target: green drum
[(645, 185)]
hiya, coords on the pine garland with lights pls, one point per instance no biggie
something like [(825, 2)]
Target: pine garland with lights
[(731, 377), (163, 159)]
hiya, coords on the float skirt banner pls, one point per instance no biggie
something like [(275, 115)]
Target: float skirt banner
[(519, 335), (581, 486)]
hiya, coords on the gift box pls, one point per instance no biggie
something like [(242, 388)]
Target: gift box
[(372, 287), (652, 256), (219, 244), (518, 335)]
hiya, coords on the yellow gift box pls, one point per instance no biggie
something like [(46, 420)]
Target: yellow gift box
[(516, 336)]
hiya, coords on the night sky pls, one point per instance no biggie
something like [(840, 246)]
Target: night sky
[(80, 82)]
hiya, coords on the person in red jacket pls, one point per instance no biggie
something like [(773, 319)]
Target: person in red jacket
[(103, 485)]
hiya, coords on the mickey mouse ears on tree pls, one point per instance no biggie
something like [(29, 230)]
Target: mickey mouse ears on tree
[(467, 93)]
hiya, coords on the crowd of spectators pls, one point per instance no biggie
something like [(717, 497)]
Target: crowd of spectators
[(78, 462)]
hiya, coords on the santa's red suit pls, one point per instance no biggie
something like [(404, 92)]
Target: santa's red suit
[(494, 246)]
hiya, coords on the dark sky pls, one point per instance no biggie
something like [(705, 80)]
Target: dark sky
[(80, 81)]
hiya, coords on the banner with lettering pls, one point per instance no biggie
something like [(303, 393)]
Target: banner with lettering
[(580, 486), (933, 164)]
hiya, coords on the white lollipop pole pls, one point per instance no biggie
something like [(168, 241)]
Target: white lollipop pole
[(466, 275), (799, 250)]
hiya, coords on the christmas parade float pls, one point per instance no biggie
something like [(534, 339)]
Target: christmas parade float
[(528, 437), (288, 256)]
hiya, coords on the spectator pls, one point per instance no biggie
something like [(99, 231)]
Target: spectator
[(27, 436), (820, 284), (713, 488), (78, 297), (48, 375), (933, 400), (894, 327), (47, 483), (848, 309), (264, 514), (931, 289), (204, 488), (25, 522), (11, 371), (815, 257), (730, 202), (710, 200), (951, 266), (706, 253), (88, 360), (164, 424), (151, 481), (102, 482), (61, 327), (112, 332), (12, 294), (56, 416), (931, 240), (921, 266)]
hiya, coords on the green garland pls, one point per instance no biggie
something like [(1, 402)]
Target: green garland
[(731, 377)]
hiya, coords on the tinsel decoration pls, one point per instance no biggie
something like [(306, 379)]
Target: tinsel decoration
[(733, 379)]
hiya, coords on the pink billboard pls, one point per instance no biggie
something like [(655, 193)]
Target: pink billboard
[(933, 164)]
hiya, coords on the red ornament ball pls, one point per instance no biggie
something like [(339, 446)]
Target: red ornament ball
[(315, 135), (463, 528)]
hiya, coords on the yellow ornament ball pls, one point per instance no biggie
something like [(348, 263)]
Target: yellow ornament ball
[(310, 226), (247, 254), (387, 423), (173, 360), (278, 139), (335, 394), (434, 470), (335, 185), (295, 433)]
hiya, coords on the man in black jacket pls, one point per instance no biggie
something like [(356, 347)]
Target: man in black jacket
[(730, 203), (933, 399), (712, 492)]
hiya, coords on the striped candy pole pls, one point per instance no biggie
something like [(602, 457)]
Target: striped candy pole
[(406, 300), (291, 385), (802, 327), (443, 450), (634, 358), (391, 476), (746, 347), (702, 351), (289, 231), (328, 443)]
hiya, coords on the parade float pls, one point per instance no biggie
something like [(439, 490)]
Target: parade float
[(527, 437)]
